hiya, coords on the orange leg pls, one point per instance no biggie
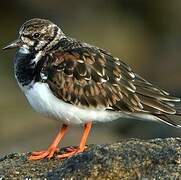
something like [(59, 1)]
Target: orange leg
[(82, 145), (52, 149)]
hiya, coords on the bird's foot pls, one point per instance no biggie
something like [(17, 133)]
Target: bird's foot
[(43, 154), (72, 151)]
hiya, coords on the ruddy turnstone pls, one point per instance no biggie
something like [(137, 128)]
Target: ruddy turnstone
[(77, 83)]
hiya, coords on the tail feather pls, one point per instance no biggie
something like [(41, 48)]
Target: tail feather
[(178, 112), (165, 119), (157, 102)]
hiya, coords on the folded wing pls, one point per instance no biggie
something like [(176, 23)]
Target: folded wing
[(90, 77)]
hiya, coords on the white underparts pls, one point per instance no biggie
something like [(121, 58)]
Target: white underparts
[(43, 101)]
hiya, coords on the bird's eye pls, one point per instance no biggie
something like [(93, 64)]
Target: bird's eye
[(36, 35)]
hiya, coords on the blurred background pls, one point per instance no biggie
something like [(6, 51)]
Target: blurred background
[(145, 34)]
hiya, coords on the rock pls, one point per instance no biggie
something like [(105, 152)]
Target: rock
[(127, 159)]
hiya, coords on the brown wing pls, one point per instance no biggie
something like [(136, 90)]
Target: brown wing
[(90, 77)]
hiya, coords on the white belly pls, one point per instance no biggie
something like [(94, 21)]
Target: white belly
[(42, 100)]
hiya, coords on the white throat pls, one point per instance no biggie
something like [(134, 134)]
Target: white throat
[(24, 49)]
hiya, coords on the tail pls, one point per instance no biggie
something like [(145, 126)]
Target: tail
[(167, 120), (157, 102)]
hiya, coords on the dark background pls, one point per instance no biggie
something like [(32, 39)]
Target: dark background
[(145, 34)]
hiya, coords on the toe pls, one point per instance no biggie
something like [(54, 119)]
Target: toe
[(36, 153), (38, 157), (66, 155), (42, 154), (70, 149), (52, 152), (69, 154)]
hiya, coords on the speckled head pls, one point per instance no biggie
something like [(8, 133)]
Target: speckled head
[(37, 34)]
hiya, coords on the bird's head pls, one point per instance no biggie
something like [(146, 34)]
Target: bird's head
[(37, 35)]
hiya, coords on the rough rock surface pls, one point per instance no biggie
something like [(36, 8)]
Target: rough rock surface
[(127, 159)]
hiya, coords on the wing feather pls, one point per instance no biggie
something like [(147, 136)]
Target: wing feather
[(90, 77)]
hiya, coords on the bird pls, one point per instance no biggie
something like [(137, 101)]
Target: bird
[(77, 83)]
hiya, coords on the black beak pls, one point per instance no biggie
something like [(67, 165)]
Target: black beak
[(15, 44)]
